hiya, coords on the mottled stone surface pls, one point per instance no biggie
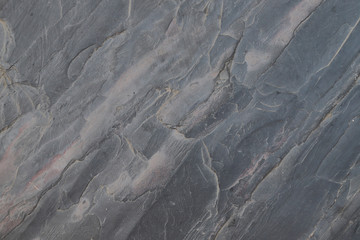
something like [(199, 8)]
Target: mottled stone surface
[(180, 119)]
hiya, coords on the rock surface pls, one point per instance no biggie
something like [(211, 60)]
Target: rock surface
[(180, 119)]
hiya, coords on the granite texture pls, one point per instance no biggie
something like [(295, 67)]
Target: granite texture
[(180, 119)]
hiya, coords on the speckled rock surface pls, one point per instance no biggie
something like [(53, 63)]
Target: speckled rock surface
[(169, 119)]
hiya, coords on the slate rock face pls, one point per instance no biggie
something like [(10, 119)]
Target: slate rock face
[(180, 119)]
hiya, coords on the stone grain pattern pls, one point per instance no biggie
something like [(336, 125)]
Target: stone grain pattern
[(180, 119)]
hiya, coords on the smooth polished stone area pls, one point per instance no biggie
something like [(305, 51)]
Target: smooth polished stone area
[(180, 119)]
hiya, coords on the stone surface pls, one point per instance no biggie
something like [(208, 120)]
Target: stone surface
[(169, 119)]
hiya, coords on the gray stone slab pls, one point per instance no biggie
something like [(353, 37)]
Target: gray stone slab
[(180, 119)]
